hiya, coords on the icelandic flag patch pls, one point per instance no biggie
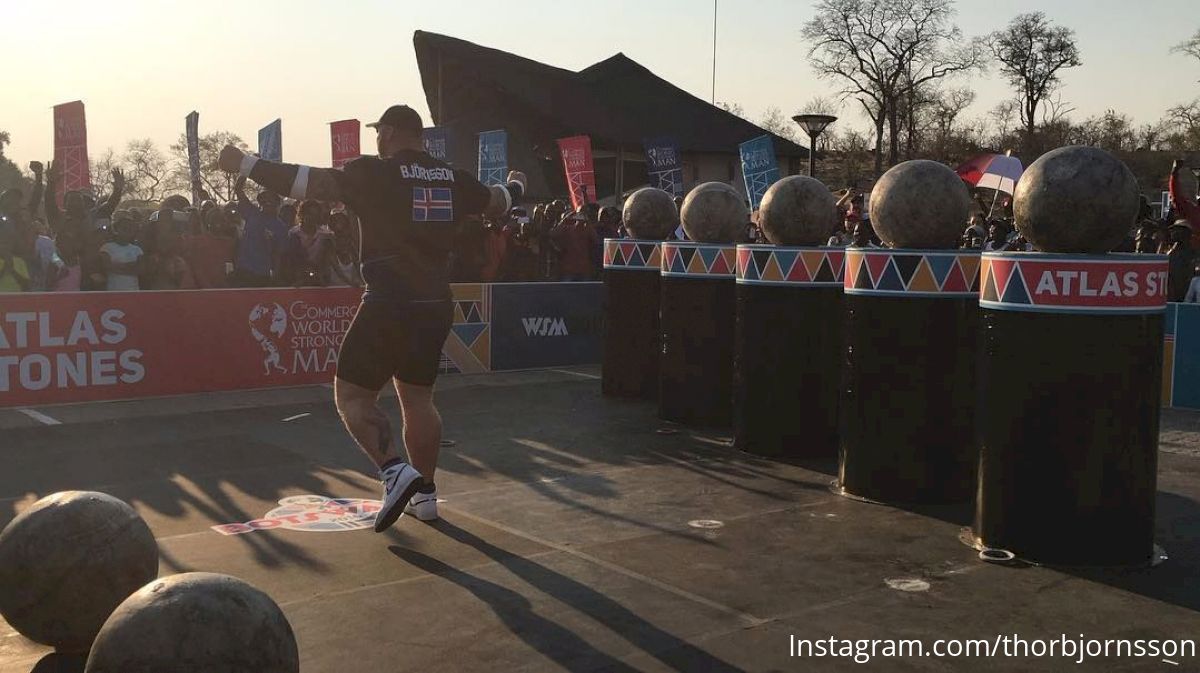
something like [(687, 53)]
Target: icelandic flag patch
[(432, 204)]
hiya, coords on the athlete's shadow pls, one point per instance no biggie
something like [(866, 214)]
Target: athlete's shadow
[(552, 640)]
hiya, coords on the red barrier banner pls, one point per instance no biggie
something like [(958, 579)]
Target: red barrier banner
[(70, 148), (1041, 282), (581, 175), (344, 138), (90, 346)]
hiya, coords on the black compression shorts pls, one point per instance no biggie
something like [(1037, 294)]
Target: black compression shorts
[(401, 340)]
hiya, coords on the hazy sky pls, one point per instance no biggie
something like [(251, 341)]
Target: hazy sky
[(141, 65)]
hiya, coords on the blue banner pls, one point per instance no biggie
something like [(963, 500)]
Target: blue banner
[(546, 324), (493, 157), (270, 141), (437, 143), (759, 167), (663, 165)]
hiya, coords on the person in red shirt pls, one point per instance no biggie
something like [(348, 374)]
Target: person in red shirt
[(575, 237), (1186, 207), (210, 253)]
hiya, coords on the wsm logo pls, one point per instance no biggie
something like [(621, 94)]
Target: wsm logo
[(544, 326)]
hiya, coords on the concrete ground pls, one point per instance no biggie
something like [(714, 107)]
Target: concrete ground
[(577, 538)]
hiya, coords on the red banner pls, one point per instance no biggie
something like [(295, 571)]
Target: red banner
[(75, 347), (1074, 283), (581, 175), (344, 137), (70, 148)]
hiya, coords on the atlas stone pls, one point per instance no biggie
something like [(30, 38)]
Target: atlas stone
[(67, 562), (1076, 199), (920, 204), (714, 212), (797, 210), (196, 622), (650, 214)]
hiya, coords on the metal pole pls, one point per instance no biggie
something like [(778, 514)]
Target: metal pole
[(714, 69), (812, 155)]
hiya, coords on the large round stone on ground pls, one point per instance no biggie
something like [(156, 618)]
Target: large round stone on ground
[(714, 212), (797, 210), (650, 214), (193, 623), (1076, 199), (67, 562), (920, 204)]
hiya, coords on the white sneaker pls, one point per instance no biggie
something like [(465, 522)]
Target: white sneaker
[(423, 506), (400, 482)]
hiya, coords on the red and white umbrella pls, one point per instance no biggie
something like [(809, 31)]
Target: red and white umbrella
[(992, 171)]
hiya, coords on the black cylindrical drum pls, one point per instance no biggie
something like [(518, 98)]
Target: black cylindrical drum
[(788, 350), (908, 396), (1070, 387), (631, 333), (697, 325)]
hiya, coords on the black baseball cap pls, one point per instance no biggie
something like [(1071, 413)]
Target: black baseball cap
[(401, 117)]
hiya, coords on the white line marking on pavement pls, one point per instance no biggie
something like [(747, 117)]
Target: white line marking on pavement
[(40, 417), (748, 619), (297, 416), (579, 374)]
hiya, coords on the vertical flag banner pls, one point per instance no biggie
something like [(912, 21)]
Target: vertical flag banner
[(270, 141), (344, 137), (193, 151), (577, 162), (663, 165), (493, 157), (437, 145), (70, 148), (759, 167)]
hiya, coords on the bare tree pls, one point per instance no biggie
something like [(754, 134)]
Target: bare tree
[(734, 109), (1182, 124), (149, 174), (1031, 53), (821, 105), (774, 121), (101, 166), (946, 107), (1190, 46), (884, 50), (214, 181)]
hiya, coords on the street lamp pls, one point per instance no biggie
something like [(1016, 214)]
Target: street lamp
[(814, 125)]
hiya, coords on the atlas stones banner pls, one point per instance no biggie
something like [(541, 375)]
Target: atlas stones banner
[(75, 347), (91, 346), (70, 148), (193, 150), (581, 175), (344, 137), (270, 141)]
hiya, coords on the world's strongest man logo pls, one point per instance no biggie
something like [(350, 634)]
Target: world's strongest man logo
[(311, 514)]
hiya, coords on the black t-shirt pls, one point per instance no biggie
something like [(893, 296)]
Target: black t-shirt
[(410, 207)]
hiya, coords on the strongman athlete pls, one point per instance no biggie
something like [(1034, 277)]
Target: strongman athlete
[(409, 205)]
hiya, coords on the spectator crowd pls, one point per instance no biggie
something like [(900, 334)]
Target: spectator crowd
[(273, 242)]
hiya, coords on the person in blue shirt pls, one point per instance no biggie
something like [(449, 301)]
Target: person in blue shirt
[(262, 238)]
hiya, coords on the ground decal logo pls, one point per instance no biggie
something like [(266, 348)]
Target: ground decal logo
[(311, 514)]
